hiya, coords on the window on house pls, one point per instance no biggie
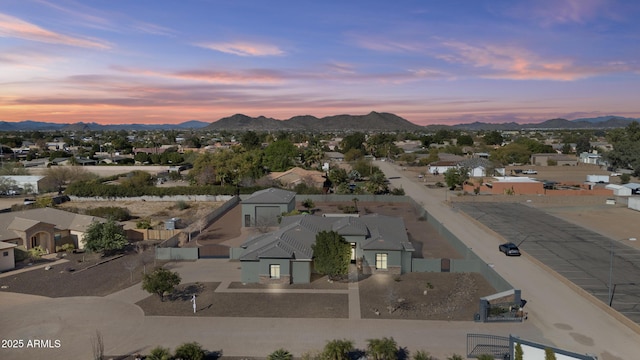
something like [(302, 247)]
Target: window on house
[(381, 261), (5, 253), (274, 271)]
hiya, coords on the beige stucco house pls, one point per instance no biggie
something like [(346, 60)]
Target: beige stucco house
[(7, 256), (45, 227)]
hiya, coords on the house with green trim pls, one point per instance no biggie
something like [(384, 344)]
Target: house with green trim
[(379, 244)]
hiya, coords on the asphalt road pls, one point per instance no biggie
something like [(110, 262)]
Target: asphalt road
[(582, 256), (568, 320)]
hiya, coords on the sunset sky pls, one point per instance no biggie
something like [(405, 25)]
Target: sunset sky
[(431, 62)]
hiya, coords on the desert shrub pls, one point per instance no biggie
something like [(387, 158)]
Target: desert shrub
[(111, 212), (189, 351), (36, 252), (68, 248), (174, 175), (625, 178), (182, 205), (143, 224)]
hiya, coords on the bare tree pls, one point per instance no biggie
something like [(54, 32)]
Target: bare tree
[(131, 263), (97, 346), (263, 224)]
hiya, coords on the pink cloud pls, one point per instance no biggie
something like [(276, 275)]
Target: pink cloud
[(551, 12), (223, 77), (154, 29), (386, 45), (243, 48), (16, 28), (514, 63)]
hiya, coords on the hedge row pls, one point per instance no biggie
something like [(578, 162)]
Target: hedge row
[(94, 189)]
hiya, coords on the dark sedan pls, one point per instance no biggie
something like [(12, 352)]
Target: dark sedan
[(509, 249)]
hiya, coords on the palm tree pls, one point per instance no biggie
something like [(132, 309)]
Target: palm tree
[(159, 353), (423, 355), (337, 350), (280, 354), (377, 183), (382, 349)]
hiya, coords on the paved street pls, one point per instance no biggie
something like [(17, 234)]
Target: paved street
[(582, 256)]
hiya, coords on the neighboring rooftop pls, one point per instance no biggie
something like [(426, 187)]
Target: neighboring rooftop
[(270, 196)]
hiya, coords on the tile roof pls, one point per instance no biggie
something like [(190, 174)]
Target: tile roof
[(297, 234), (22, 220), (270, 196)]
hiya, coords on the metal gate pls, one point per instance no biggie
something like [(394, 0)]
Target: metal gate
[(213, 252), (483, 344)]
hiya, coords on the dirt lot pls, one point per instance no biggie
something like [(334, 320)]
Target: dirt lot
[(614, 221), (83, 275), (156, 211)]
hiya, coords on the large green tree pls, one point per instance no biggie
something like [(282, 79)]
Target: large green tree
[(626, 148), (106, 237), (331, 254), (493, 138), (352, 141), (160, 281), (455, 177), (280, 155)]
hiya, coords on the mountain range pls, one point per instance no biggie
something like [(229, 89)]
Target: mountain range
[(373, 121)]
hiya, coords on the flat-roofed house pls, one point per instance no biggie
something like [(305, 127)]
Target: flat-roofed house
[(7, 256)]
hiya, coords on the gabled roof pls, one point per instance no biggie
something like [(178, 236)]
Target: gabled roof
[(63, 220), (632, 186), (297, 234), (22, 224), (5, 245), (474, 163), (350, 225), (270, 196)]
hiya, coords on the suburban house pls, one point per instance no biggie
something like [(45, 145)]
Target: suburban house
[(591, 158), (334, 156), (7, 256), (45, 227), (378, 244), (264, 207), (480, 167), (27, 183), (550, 158)]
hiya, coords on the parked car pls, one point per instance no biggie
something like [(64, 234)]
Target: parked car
[(509, 249), (530, 172)]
